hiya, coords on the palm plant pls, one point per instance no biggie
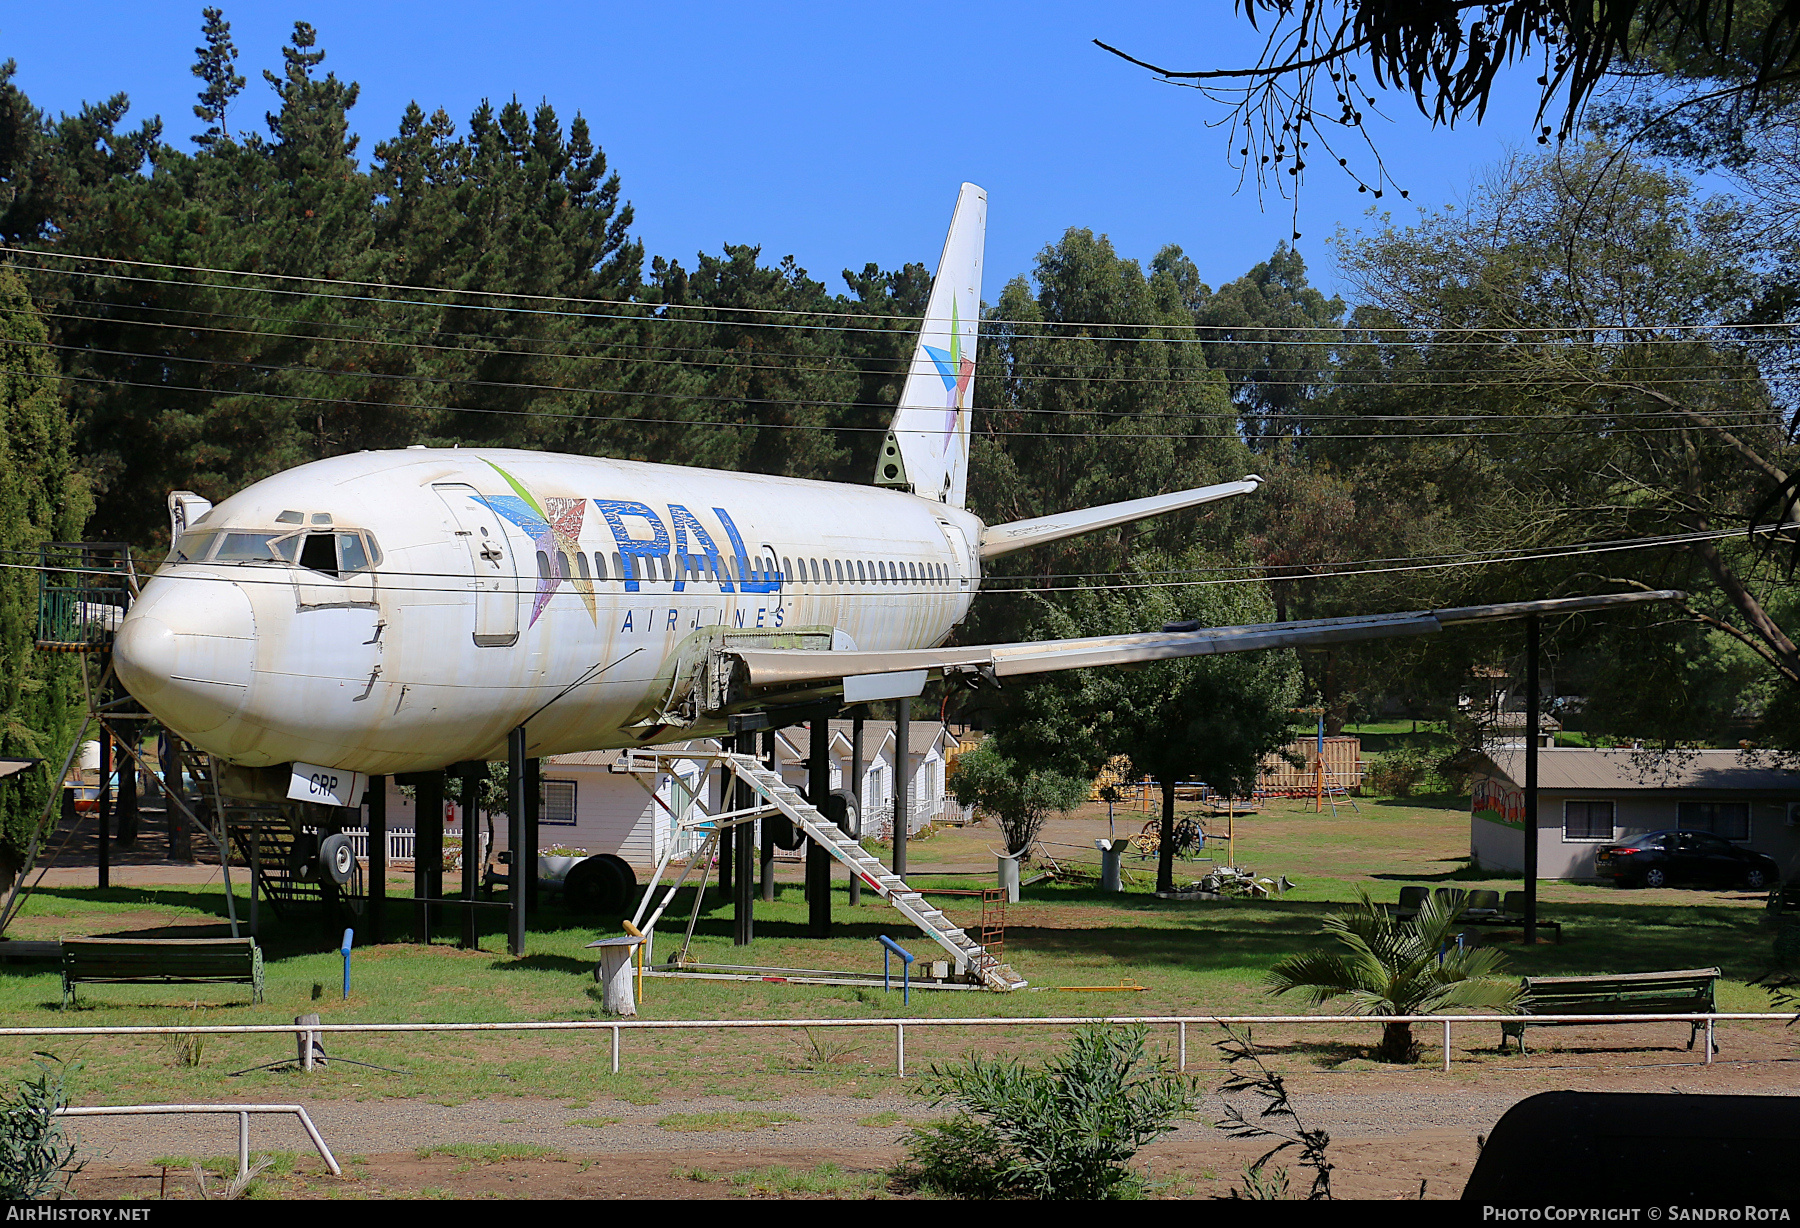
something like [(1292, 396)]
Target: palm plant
[(1393, 967)]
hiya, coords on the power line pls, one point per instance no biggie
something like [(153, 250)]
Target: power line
[(1489, 334), (1310, 330), (727, 364), (1119, 415), (292, 574), (1112, 436)]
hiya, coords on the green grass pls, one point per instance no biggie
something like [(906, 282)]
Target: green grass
[(777, 1179), (1192, 958), (749, 1119), (489, 1153)]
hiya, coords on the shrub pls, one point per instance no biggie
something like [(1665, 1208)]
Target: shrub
[(1063, 1131), (1406, 771), (36, 1158)]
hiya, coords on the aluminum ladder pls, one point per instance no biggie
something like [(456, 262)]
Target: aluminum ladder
[(970, 956)]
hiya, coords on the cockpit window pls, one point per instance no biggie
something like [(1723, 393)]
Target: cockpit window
[(333, 553), (192, 547), (237, 547)]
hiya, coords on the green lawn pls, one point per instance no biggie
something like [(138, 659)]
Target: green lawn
[(1190, 958)]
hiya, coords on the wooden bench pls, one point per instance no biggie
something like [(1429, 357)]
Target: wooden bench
[(1685, 992), (179, 961)]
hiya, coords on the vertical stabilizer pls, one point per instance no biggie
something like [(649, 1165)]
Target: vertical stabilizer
[(927, 448)]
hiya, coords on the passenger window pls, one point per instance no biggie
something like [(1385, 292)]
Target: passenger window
[(787, 569), (599, 565), (543, 565), (581, 565), (619, 566), (840, 570)]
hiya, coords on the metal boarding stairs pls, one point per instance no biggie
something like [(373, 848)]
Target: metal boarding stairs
[(971, 958)]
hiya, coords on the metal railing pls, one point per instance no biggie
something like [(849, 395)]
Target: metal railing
[(1180, 1023), (243, 1112)]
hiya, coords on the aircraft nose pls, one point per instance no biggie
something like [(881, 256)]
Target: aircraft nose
[(186, 651)]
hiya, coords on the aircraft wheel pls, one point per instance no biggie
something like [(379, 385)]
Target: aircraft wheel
[(337, 858), (601, 884)]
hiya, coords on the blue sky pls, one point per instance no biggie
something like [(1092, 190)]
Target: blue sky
[(835, 133)]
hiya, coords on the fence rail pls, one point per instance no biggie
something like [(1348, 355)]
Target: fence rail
[(1179, 1022)]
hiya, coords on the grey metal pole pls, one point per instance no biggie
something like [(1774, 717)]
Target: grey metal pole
[(515, 842), (471, 849), (378, 838), (768, 836), (103, 807), (534, 801), (1531, 778), (428, 850), (818, 861), (856, 792), (743, 930), (902, 717)]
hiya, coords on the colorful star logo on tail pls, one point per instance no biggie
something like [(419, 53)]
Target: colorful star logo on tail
[(956, 369), (555, 526)]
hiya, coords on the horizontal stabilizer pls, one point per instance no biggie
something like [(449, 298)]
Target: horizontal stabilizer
[(789, 667), (1002, 539)]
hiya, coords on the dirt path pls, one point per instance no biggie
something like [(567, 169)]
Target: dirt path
[(1390, 1136)]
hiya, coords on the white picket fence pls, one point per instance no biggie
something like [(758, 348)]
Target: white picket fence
[(400, 843)]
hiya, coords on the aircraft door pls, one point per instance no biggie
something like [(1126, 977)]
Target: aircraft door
[(495, 578), (962, 575)]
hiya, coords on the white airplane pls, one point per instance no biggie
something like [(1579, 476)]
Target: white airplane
[(401, 611)]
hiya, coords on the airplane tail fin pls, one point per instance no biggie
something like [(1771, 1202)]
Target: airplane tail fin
[(927, 447)]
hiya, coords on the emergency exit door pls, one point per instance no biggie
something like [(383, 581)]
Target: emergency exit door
[(494, 573)]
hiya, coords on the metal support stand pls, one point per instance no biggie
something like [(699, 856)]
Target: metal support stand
[(767, 869), (428, 850), (534, 802), (515, 842), (818, 861), (377, 796), (103, 807), (902, 756), (727, 858), (471, 849), (1530, 833), (734, 795), (856, 791)]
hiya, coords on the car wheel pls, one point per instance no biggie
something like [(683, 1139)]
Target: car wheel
[(1654, 877), (1756, 880)]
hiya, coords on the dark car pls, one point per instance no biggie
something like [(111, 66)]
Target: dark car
[(1663, 858)]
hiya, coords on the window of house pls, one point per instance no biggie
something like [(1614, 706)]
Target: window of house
[(1728, 819), (1587, 820), (558, 807)]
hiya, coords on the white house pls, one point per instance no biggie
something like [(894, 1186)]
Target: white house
[(1589, 798)]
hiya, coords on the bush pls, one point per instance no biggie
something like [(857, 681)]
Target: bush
[(1406, 771), (35, 1156), (1063, 1131)]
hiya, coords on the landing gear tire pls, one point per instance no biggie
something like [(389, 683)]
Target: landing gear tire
[(337, 858), (599, 885)]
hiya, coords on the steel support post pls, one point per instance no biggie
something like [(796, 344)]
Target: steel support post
[(428, 850), (902, 757), (856, 791), (727, 852), (1530, 833), (103, 807), (534, 804), (818, 861), (743, 930), (471, 849), (378, 838), (767, 868), (515, 842)]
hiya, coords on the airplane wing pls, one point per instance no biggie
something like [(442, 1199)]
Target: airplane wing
[(867, 676)]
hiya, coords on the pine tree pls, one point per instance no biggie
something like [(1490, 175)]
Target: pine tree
[(223, 82)]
